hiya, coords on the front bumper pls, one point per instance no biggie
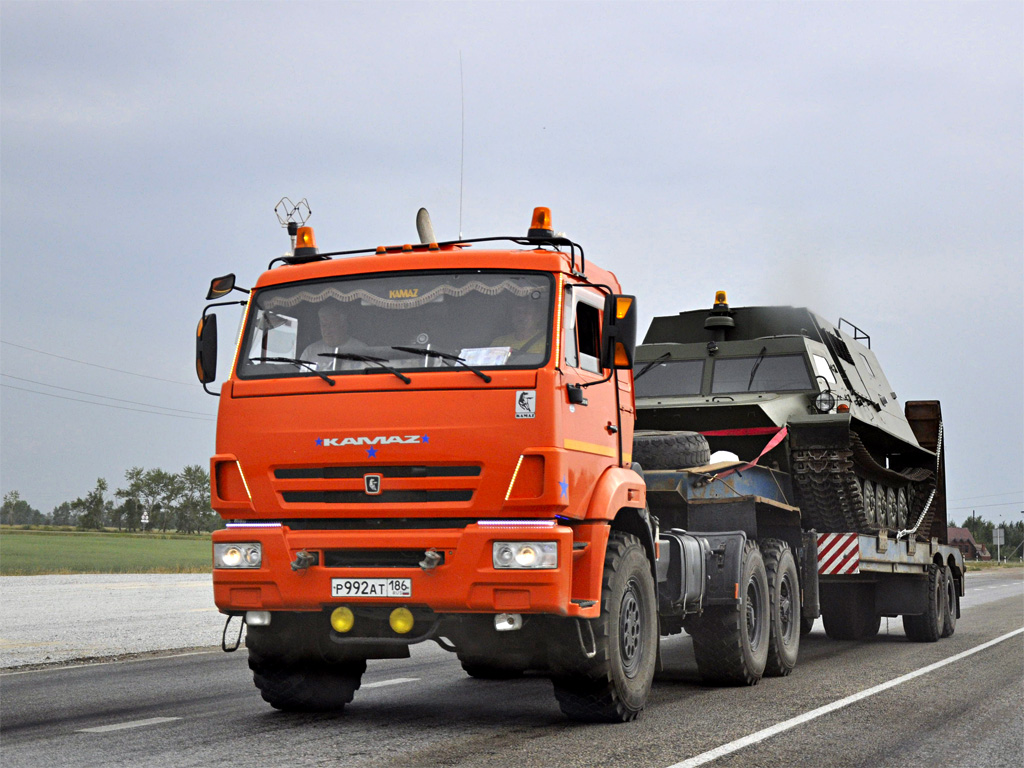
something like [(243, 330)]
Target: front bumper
[(466, 582)]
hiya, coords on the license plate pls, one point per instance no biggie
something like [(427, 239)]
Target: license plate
[(371, 587)]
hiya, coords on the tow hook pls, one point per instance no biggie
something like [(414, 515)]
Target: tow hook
[(431, 559), (304, 559)]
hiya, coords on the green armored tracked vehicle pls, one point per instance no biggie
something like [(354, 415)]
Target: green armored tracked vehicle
[(782, 386)]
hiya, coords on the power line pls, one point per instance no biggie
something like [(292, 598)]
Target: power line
[(105, 397), (94, 365), (105, 405), (983, 506), (989, 496)]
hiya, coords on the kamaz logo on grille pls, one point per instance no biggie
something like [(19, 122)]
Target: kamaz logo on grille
[(372, 484), (339, 442)]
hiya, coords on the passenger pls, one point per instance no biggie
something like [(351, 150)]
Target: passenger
[(334, 329)]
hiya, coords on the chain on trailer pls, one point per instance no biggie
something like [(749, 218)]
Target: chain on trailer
[(931, 496)]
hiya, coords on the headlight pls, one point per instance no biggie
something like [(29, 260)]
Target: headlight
[(825, 401), (525, 554), (248, 555)]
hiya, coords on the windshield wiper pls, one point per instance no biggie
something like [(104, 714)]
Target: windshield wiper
[(293, 361), (444, 356), (757, 363), (650, 365), (379, 361)]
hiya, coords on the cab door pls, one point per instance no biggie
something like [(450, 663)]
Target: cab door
[(589, 434)]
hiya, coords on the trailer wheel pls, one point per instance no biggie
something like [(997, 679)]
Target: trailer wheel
[(670, 450), (784, 602), (307, 685), (851, 614), (613, 686), (952, 598), (927, 627), (731, 643)]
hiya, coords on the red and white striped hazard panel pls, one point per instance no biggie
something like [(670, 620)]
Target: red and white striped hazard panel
[(838, 553)]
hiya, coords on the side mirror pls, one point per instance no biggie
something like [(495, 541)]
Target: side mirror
[(619, 332), (220, 287), (206, 349)]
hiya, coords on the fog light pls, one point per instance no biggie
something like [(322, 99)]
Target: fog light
[(401, 620), (257, 618), (342, 619)]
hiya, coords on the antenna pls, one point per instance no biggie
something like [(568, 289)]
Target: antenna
[(462, 150)]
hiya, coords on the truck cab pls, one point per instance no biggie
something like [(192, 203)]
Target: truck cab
[(425, 442)]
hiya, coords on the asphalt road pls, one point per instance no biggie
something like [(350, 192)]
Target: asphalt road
[(201, 709)]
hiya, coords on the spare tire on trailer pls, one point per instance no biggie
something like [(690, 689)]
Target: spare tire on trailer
[(670, 450)]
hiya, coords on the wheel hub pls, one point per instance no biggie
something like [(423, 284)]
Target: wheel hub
[(631, 639)]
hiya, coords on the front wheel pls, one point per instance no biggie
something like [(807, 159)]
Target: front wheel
[(613, 686), (305, 685)]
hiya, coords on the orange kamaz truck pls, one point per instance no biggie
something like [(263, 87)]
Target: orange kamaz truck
[(433, 442)]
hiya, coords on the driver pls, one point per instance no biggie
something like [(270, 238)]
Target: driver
[(529, 329), (334, 330)]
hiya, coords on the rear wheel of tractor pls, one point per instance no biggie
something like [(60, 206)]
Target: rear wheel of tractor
[(731, 643), (949, 615), (613, 686), (927, 627), (670, 450), (784, 604), (305, 685)]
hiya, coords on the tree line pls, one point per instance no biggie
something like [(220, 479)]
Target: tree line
[(170, 501)]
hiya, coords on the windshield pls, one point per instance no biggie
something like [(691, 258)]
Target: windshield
[(672, 377), (760, 374), (398, 322)]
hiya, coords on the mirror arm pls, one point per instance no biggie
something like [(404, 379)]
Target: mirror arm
[(208, 307)]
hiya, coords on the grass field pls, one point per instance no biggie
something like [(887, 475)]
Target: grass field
[(29, 553)]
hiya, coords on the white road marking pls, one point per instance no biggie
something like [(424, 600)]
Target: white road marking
[(395, 681), (131, 724), (767, 733)]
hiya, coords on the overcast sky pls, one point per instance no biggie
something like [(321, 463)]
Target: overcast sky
[(863, 159)]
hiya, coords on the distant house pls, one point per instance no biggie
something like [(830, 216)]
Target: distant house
[(963, 539)]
